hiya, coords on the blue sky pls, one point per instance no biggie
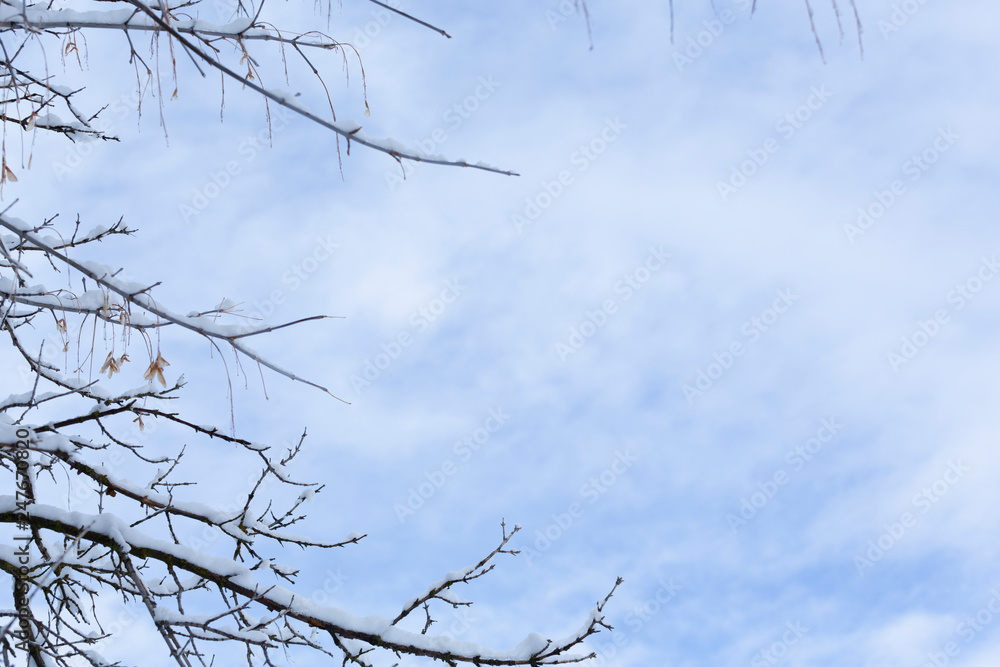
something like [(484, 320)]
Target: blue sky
[(845, 371)]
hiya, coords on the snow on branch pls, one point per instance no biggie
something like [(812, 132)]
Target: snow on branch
[(63, 431), (138, 295), (121, 544), (135, 544), (197, 38), (440, 590)]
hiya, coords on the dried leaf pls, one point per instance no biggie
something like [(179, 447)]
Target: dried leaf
[(155, 370), (110, 365)]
